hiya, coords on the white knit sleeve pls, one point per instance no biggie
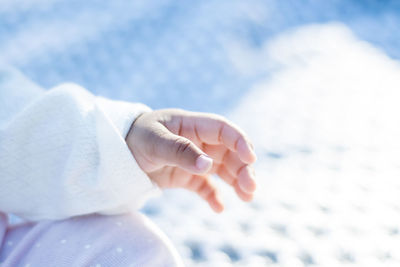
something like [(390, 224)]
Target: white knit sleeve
[(63, 152)]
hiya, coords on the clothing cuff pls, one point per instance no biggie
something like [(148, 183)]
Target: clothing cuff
[(122, 114), (136, 187)]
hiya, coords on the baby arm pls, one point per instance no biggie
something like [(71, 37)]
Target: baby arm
[(178, 148), (63, 152)]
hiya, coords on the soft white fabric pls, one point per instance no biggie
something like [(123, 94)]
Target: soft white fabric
[(63, 152), (130, 240)]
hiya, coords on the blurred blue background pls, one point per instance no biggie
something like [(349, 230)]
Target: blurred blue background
[(168, 53)]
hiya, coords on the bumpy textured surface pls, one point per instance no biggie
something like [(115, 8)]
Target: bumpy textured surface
[(326, 130), (319, 104)]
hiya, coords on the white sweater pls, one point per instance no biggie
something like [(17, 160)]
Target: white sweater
[(63, 152)]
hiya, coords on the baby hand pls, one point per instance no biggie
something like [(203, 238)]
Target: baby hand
[(178, 148)]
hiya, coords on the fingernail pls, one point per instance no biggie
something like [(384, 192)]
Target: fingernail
[(251, 148), (253, 172), (246, 147), (251, 145), (203, 163), (248, 185), (253, 154)]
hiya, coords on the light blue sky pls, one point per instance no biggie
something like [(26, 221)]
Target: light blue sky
[(168, 53)]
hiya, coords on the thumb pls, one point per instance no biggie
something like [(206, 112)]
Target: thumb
[(179, 151)]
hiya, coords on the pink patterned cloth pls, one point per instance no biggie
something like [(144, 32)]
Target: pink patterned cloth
[(92, 240)]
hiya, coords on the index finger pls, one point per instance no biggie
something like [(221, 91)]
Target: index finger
[(214, 129)]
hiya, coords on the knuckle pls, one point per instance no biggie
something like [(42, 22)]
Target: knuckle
[(182, 146), (217, 117)]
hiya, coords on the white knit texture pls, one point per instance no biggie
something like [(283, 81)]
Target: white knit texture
[(63, 152)]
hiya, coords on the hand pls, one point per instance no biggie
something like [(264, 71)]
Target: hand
[(181, 149)]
